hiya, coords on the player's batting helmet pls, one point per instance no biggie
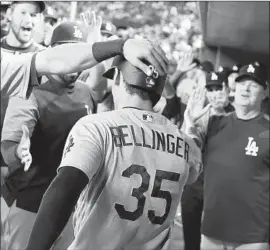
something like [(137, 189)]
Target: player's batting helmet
[(133, 76), (69, 32)]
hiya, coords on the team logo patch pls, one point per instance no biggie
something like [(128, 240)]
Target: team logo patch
[(148, 118), (69, 146), (250, 69), (251, 148), (214, 76), (77, 33)]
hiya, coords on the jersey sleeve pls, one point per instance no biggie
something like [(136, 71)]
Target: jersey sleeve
[(19, 112), (17, 74), (83, 148)]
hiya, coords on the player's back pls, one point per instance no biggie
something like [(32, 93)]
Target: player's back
[(132, 200)]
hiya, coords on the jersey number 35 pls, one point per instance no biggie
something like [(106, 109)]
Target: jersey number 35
[(139, 194)]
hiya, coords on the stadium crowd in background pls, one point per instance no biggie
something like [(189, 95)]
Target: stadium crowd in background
[(225, 110)]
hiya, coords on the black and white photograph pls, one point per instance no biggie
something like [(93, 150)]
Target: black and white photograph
[(135, 125)]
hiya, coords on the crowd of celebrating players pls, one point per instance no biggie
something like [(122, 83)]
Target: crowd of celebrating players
[(73, 94)]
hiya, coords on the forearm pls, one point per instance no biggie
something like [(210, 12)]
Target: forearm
[(8, 150), (175, 77), (56, 208), (193, 131), (168, 91), (70, 58)]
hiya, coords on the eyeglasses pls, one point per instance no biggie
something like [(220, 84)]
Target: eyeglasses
[(214, 88)]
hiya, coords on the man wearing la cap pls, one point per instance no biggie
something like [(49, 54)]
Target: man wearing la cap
[(216, 94), (236, 175), (132, 164), (49, 114)]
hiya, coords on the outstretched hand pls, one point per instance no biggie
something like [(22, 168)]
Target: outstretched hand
[(195, 107), (23, 149)]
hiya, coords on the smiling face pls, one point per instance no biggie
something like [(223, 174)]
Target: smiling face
[(249, 93), (23, 17)]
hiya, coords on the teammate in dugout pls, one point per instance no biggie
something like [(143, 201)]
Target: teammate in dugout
[(22, 17), (236, 175), (125, 169), (71, 58), (47, 117)]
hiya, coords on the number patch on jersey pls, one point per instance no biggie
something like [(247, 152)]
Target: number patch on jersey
[(139, 194)]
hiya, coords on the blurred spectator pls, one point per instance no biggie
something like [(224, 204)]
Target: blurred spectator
[(175, 27), (4, 22), (49, 114)]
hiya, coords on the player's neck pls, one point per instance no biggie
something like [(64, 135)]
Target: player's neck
[(134, 103), (12, 41), (245, 113)]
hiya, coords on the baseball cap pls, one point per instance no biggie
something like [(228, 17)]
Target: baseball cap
[(255, 71), (225, 70), (236, 68), (41, 4), (215, 78), (50, 13), (154, 85), (108, 28), (69, 32)]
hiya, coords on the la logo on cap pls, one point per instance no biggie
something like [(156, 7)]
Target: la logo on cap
[(108, 27), (214, 76), (77, 33), (250, 69)]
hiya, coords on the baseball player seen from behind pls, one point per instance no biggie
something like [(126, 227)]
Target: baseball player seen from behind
[(125, 169)]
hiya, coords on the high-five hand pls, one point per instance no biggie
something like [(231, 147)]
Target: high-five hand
[(93, 23), (185, 62), (195, 106), (23, 149)]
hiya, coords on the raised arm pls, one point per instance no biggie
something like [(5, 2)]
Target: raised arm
[(14, 137), (70, 58), (196, 116)]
